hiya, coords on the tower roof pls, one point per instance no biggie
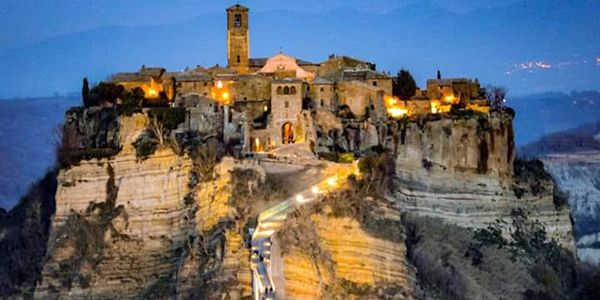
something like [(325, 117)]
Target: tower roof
[(237, 7)]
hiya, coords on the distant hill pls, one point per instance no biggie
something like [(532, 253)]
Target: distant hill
[(543, 114), (26, 150), (422, 37), (580, 139)]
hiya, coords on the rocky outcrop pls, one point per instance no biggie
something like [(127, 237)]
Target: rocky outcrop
[(460, 169), (336, 259), (578, 174), (130, 229)]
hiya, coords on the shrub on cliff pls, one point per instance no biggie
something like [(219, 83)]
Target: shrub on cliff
[(557, 273), (104, 93), (131, 102), (449, 267)]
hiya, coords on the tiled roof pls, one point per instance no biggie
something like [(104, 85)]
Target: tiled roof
[(321, 80), (192, 77), (237, 7), (129, 77), (157, 72), (257, 62), (261, 61), (362, 74)]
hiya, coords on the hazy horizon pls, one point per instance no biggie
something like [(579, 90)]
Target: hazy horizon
[(529, 46)]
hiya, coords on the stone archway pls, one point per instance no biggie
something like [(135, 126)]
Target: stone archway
[(287, 133)]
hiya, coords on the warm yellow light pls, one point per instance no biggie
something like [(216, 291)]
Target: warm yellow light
[(331, 181), (397, 112), (152, 92), (213, 94), (315, 190), (434, 108), (225, 96), (299, 198), (450, 98), (265, 108), (219, 84)]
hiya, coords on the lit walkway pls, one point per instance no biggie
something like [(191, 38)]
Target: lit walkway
[(269, 222)]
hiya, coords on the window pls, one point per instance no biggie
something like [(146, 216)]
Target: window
[(287, 104), (308, 88), (205, 84), (374, 83), (237, 20), (238, 59), (293, 90), (322, 102), (286, 90), (279, 90), (322, 89)]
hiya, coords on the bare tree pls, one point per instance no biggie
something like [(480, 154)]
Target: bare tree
[(158, 128), (496, 97)]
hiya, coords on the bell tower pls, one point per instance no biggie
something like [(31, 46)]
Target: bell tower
[(238, 40)]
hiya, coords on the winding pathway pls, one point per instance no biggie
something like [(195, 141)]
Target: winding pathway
[(269, 222)]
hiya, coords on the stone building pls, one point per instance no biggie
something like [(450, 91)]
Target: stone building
[(238, 39), (153, 81), (271, 102)]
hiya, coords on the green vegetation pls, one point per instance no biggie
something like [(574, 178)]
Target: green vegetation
[(131, 102), (103, 93), (145, 146), (169, 117), (85, 93), (162, 122), (404, 85)]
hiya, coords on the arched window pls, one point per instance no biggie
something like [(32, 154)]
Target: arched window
[(286, 90), (322, 102), (293, 90), (279, 90), (238, 59)]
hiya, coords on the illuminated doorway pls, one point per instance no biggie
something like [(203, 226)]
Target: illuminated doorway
[(287, 133)]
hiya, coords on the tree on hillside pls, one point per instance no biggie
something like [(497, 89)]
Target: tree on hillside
[(404, 85), (132, 102), (105, 93), (85, 93), (496, 97)]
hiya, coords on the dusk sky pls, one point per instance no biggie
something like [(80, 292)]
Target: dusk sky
[(530, 46)]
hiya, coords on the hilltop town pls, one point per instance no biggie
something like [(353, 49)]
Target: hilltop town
[(279, 178), (261, 104)]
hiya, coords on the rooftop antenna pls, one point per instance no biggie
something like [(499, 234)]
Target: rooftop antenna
[(280, 50)]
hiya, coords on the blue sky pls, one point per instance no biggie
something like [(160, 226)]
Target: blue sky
[(47, 46)]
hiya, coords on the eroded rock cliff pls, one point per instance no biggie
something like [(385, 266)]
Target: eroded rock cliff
[(151, 229), (460, 169)]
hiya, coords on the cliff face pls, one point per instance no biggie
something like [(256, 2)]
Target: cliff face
[(460, 169), (457, 144), (578, 174), (158, 229), (324, 256), (130, 229)]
